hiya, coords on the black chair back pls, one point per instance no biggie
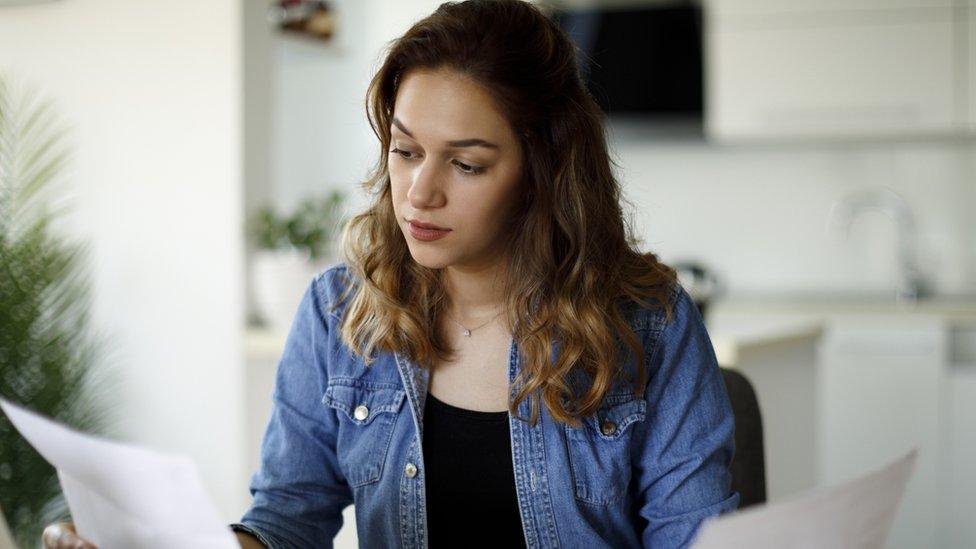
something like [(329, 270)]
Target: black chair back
[(749, 463)]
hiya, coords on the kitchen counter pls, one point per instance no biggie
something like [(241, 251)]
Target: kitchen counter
[(734, 335), (963, 305), (744, 323)]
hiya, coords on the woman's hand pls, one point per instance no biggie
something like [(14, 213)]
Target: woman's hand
[(62, 535)]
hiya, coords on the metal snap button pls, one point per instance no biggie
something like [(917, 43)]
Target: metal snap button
[(361, 412), (410, 470), (608, 428)]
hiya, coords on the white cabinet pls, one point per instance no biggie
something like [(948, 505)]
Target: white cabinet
[(778, 355), (881, 381), (803, 69), (959, 481), (959, 484), (881, 392), (741, 7)]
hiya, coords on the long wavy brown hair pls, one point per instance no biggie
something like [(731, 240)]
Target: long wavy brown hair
[(573, 262)]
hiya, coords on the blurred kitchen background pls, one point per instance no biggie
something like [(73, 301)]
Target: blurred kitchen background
[(810, 165)]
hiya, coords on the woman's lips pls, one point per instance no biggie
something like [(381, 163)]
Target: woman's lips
[(426, 235), (424, 225)]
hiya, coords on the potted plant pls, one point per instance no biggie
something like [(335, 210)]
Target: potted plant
[(50, 352), (291, 249)]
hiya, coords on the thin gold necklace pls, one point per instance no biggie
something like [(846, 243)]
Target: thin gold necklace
[(466, 332)]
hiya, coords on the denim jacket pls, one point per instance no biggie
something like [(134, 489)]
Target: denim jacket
[(641, 472)]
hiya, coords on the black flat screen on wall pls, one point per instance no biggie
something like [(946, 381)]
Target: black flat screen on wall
[(640, 61)]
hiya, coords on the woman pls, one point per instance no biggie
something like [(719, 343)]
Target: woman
[(519, 376)]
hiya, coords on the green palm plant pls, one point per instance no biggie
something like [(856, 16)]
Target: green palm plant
[(47, 355)]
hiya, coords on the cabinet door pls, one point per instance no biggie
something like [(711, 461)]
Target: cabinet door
[(880, 383), (739, 7), (823, 74), (960, 479)]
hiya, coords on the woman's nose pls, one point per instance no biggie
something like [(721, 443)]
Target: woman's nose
[(425, 189)]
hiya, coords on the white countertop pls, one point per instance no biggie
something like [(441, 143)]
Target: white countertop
[(733, 335), (840, 304), (740, 323), (743, 323)]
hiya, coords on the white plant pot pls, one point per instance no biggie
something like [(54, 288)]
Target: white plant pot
[(279, 279)]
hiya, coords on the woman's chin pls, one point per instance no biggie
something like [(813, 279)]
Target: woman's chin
[(430, 259)]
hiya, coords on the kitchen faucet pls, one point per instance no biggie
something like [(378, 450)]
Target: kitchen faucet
[(912, 284)]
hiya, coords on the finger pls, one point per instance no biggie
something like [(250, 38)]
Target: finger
[(58, 535), (63, 536), (80, 543)]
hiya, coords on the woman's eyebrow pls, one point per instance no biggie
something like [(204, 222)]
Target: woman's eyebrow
[(455, 144)]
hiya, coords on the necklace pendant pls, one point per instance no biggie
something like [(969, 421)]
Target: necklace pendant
[(466, 332)]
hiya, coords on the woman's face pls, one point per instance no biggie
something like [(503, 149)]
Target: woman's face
[(454, 162)]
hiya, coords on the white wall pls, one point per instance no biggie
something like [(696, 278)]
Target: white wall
[(152, 91), (320, 136)]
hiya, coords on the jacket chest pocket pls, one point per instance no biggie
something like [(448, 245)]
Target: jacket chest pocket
[(367, 413), (599, 450)]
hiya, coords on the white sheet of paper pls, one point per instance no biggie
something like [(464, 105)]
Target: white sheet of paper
[(125, 496), (6, 538), (856, 514)]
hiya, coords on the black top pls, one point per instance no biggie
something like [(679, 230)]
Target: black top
[(470, 485)]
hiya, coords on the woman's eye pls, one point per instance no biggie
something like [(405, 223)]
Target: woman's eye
[(462, 167), (469, 170), (402, 153)]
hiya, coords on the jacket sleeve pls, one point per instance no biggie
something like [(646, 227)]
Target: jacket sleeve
[(685, 445), (299, 491)]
